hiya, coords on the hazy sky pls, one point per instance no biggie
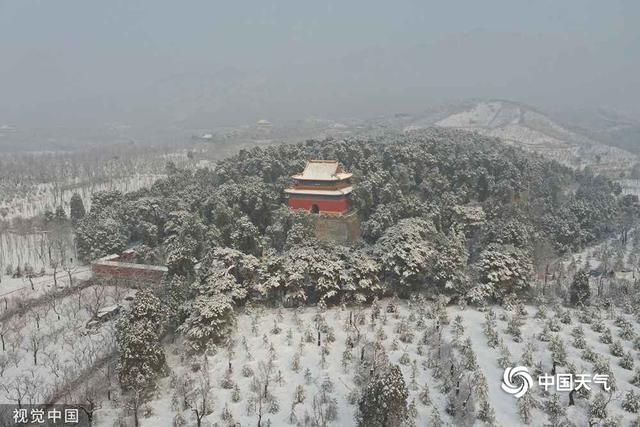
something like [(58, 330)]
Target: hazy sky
[(201, 62)]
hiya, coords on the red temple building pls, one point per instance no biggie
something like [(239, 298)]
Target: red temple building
[(322, 188)]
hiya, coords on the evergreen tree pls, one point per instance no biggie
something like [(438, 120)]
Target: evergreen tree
[(525, 408), (504, 270), (76, 207), (580, 292), (384, 401), (60, 215), (555, 410), (98, 235), (631, 402), (138, 336), (210, 320)]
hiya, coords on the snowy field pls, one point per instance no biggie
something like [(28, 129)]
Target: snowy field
[(279, 348), (481, 115), (51, 195), (20, 290), (47, 348)]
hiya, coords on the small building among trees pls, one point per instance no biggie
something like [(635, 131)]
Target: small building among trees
[(324, 189)]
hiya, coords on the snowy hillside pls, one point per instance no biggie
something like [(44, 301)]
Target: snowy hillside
[(306, 381), (534, 131)]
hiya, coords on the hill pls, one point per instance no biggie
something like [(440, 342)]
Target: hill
[(532, 130)]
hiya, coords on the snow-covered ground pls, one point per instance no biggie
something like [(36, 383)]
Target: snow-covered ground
[(51, 195), (408, 340), (20, 289), (47, 347), (481, 115)]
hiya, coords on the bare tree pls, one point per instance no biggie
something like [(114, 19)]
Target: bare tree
[(260, 387), (4, 328), (108, 373), (4, 362), (33, 388), (198, 399), (51, 361), (134, 402), (90, 399), (69, 267), (16, 390), (54, 303), (36, 342), (96, 300)]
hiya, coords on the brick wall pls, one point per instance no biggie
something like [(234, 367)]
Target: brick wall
[(112, 267), (339, 229)]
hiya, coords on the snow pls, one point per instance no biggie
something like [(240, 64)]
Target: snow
[(481, 115), (20, 287), (52, 195), (536, 132), (66, 349), (630, 186), (473, 320)]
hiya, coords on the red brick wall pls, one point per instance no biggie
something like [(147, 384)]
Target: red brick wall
[(126, 272), (334, 206)]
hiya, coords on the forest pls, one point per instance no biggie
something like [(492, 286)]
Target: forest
[(225, 233)]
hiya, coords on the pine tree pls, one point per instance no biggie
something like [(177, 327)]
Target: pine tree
[(636, 378), (76, 207), (631, 402), (626, 361), (384, 401), (210, 320), (598, 407), (424, 397), (60, 214), (486, 413), (555, 410), (579, 291), (525, 408), (138, 336), (617, 349)]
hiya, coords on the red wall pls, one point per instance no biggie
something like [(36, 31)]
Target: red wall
[(336, 206), (125, 272)]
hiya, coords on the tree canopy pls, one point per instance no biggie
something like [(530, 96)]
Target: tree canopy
[(442, 211)]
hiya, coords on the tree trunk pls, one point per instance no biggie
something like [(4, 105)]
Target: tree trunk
[(136, 421), (546, 275)]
